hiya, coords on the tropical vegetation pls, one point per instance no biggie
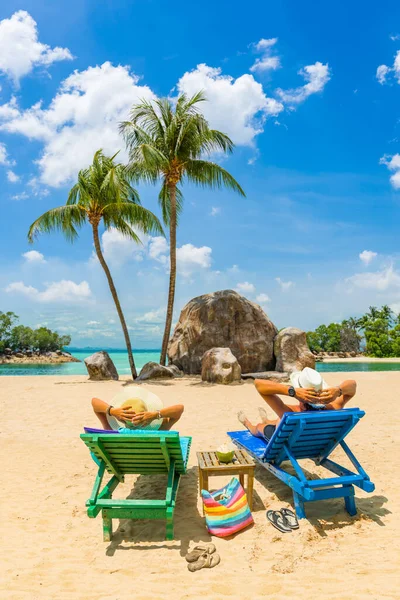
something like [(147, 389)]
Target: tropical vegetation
[(21, 338), (103, 195), (377, 333), (168, 142)]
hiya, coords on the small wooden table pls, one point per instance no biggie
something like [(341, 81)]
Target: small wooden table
[(242, 465)]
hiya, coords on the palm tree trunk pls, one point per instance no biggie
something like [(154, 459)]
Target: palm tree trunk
[(172, 275), (115, 298)]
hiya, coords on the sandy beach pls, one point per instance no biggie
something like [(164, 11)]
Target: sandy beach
[(51, 549)]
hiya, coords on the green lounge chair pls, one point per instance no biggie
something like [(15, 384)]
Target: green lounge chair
[(143, 453)]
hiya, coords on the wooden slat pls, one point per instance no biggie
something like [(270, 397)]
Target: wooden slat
[(207, 459)]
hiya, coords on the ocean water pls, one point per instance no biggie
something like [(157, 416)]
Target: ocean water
[(120, 359)]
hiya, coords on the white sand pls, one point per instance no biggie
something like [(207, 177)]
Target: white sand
[(51, 549)]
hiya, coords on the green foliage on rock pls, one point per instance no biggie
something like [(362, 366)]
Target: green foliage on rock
[(378, 330), (23, 339)]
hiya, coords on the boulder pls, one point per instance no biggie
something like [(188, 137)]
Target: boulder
[(270, 375), (100, 367), (223, 319), (19, 355), (291, 351), (219, 365), (175, 371), (153, 370), (8, 351)]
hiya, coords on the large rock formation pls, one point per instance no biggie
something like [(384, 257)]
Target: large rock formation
[(223, 319), (220, 366), (291, 351), (153, 370), (101, 367)]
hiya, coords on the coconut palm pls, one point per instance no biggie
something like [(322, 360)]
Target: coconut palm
[(103, 194), (169, 142)]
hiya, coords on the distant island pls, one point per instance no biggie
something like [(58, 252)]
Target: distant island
[(22, 344)]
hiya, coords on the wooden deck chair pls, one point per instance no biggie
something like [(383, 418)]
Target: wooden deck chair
[(312, 435), (140, 452)]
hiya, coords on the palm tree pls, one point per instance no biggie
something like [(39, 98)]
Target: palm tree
[(102, 194), (168, 142)]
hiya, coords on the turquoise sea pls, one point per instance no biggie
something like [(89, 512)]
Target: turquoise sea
[(120, 359)]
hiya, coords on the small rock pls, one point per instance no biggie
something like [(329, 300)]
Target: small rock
[(100, 367), (174, 369), (291, 351), (270, 375), (19, 355), (153, 370), (8, 351), (219, 365)]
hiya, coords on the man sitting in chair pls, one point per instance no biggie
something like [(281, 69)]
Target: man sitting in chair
[(308, 388)]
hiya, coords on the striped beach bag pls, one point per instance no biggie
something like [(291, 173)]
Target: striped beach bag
[(226, 510)]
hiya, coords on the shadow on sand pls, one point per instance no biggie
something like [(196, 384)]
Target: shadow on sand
[(189, 524), (325, 515)]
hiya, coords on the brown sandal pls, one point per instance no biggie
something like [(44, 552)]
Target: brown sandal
[(205, 561), (199, 551)]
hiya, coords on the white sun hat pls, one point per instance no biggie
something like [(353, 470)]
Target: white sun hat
[(142, 400), (308, 378)]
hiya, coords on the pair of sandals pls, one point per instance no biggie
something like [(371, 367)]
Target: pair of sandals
[(202, 557), (284, 520)]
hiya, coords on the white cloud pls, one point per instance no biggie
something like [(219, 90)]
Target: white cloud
[(58, 291), (395, 37), (395, 307), (33, 256), (153, 316), (12, 177), (215, 210), (118, 248), (284, 285), (158, 247), (3, 154), (92, 323), (383, 71), (245, 288), (267, 62), (20, 49), (316, 75), (82, 117), (367, 256), (262, 298), (237, 107), (189, 259), (21, 196), (393, 164), (380, 281)]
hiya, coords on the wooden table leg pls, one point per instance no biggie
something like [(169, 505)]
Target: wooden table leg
[(241, 479), (250, 484), (200, 480), (204, 477)]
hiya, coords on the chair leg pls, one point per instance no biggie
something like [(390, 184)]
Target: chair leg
[(107, 528), (350, 503), (170, 524), (299, 505)]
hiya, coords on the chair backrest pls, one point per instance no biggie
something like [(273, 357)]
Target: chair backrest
[(140, 452), (310, 434)]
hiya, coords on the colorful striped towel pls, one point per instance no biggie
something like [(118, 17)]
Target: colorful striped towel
[(226, 510)]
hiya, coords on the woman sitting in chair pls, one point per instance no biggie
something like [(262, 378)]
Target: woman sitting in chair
[(136, 408), (308, 388)]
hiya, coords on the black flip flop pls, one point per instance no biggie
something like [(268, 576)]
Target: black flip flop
[(276, 518), (290, 518)]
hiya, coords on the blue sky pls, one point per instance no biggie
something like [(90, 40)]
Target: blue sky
[(310, 98)]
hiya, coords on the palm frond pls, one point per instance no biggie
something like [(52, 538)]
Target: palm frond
[(67, 219), (209, 174)]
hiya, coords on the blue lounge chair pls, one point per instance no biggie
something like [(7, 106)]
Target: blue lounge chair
[(312, 435)]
